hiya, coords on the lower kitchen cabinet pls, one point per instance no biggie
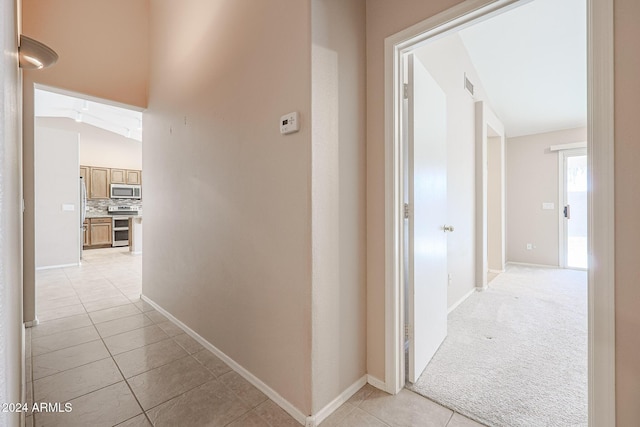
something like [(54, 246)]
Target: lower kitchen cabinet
[(99, 233), (86, 237)]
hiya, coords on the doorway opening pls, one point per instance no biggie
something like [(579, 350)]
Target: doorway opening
[(84, 148), (600, 139)]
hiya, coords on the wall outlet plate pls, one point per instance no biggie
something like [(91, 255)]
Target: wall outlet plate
[(289, 123)]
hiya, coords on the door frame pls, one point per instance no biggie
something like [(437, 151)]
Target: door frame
[(601, 279), (562, 193)]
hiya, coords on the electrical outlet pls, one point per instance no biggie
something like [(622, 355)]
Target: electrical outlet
[(449, 278)]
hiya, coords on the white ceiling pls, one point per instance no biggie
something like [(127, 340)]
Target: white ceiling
[(121, 121), (532, 62)]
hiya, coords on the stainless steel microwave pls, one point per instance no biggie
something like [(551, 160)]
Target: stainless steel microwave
[(124, 191)]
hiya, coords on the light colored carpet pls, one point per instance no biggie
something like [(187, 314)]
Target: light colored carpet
[(516, 354)]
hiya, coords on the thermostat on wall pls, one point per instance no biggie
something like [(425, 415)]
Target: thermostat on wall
[(289, 123)]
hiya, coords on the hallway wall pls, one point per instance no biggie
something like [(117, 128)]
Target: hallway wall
[(228, 198), (11, 328)]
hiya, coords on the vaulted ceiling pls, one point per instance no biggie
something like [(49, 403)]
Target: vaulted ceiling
[(532, 62)]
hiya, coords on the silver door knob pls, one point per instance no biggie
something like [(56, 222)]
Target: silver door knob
[(448, 228)]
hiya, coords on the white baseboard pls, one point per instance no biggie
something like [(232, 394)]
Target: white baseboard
[(51, 267), (271, 393), (461, 300), (322, 414), (526, 264), (31, 323), (375, 382)]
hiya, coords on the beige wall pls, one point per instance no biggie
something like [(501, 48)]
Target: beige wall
[(103, 49), (57, 184), (627, 205), (532, 178), (231, 257), (447, 60), (338, 201), (99, 147), (11, 341)]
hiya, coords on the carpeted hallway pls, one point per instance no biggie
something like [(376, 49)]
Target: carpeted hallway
[(516, 354)]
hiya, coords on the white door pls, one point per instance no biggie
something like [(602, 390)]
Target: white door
[(574, 213), (427, 198)]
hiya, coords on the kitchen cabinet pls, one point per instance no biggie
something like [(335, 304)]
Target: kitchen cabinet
[(134, 177), (118, 176), (99, 232), (126, 176), (99, 185)]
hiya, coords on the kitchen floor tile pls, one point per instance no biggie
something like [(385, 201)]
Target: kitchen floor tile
[(71, 357), (243, 388), (210, 404), (51, 303), (62, 340), (210, 361), (103, 303), (102, 408), (149, 357), (76, 382), (166, 382), (134, 339), (405, 409), (44, 329), (124, 324), (188, 343), (275, 415), (114, 313), (60, 312)]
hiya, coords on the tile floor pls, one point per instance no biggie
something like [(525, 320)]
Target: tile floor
[(121, 363)]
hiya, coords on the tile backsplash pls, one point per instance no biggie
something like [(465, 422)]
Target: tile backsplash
[(99, 206)]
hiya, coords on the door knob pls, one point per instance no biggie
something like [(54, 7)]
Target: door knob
[(448, 228)]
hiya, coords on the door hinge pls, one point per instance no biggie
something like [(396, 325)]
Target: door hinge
[(406, 211), (405, 89), (407, 331)]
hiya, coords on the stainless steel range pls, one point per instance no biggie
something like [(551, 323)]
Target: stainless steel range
[(121, 215)]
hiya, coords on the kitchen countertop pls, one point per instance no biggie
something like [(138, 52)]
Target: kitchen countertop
[(106, 215)]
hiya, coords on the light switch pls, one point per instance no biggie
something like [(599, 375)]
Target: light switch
[(548, 206), (68, 207), (289, 123)]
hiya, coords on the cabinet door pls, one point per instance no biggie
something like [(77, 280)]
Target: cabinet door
[(118, 176), (86, 174), (100, 233), (86, 236), (134, 177), (100, 181)]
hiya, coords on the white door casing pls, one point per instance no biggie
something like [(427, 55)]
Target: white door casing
[(427, 198)]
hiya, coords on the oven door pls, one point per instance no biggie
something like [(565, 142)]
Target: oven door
[(120, 231)]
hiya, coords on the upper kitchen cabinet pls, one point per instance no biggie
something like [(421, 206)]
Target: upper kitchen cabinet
[(126, 176), (99, 184), (134, 177)]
